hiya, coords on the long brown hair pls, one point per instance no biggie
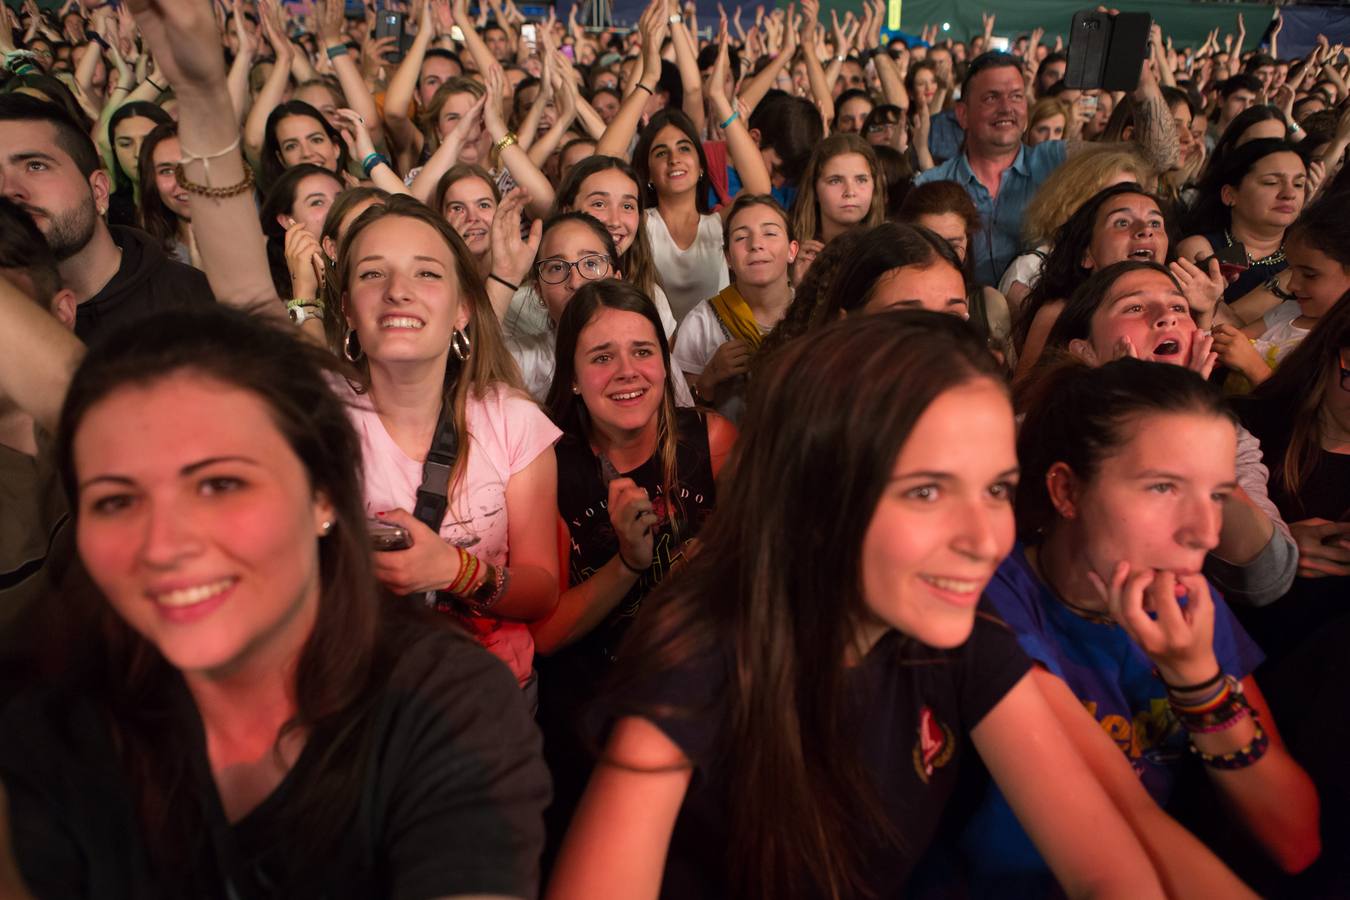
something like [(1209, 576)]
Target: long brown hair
[(637, 265), (567, 409), (489, 364), (1296, 392), (340, 666), (806, 208), (776, 593)]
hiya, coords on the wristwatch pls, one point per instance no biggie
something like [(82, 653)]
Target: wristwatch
[(301, 313), (674, 19)]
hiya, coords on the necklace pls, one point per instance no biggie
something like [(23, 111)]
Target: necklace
[(1272, 259), (1095, 616)]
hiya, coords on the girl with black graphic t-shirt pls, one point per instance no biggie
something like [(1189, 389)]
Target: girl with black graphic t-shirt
[(635, 484), (790, 714)]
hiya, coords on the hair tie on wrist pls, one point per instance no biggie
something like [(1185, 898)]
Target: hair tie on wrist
[(647, 89), (502, 281)]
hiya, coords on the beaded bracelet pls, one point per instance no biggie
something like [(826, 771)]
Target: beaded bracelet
[(214, 193), (1243, 756)]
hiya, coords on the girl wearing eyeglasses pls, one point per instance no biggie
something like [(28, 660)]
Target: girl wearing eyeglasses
[(574, 248)]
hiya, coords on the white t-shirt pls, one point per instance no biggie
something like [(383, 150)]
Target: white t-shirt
[(1025, 267), (506, 432), (693, 275), (1281, 335), (701, 333)]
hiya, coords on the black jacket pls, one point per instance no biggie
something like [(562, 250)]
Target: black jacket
[(148, 280)]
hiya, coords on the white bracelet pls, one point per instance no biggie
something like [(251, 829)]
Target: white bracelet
[(188, 156)]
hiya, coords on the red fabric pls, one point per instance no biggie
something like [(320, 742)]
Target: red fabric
[(716, 153)]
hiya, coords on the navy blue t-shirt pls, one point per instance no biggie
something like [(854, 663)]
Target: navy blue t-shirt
[(1112, 677)]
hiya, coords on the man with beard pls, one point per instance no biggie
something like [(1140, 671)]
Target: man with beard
[(50, 168)]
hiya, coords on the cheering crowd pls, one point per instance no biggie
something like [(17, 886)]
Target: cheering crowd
[(451, 454)]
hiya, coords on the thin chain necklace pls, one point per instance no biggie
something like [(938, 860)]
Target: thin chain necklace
[(1095, 616)]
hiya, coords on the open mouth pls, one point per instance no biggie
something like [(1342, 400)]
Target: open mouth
[(391, 322), (629, 397), (1144, 253), (1168, 347)]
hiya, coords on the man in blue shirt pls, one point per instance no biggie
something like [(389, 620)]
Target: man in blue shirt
[(1001, 174)]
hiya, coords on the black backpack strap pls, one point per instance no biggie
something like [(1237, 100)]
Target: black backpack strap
[(432, 493)]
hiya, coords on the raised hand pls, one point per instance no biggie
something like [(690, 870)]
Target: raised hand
[(183, 37), (1203, 288), (304, 260), (1237, 352)]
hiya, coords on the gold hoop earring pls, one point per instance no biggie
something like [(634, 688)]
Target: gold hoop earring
[(460, 346)]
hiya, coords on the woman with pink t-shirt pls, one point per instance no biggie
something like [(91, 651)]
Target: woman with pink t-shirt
[(421, 333)]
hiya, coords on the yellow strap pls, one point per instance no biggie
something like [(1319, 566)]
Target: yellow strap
[(736, 317)]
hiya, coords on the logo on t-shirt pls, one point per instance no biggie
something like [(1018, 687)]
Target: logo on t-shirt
[(935, 746)]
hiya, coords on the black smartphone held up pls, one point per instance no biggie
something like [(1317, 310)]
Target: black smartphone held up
[(388, 536), (1232, 261), (1106, 51), (390, 24)]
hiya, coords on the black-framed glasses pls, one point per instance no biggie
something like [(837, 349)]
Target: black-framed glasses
[(592, 267)]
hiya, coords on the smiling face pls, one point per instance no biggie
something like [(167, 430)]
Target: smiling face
[(1128, 226), (1148, 309), (403, 296), (925, 85), (571, 242), (1157, 501), (673, 162), (1316, 279), (758, 249), (165, 157), (612, 197), (607, 105), (619, 370), (995, 114), (469, 206), (945, 520), (302, 139), (131, 131), (844, 189), (1272, 193), (936, 287), (198, 523)]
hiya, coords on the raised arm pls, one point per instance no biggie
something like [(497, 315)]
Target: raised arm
[(815, 73), (473, 41), (274, 88), (513, 157), (243, 63), (333, 43), (619, 135), (754, 88), (741, 147), (399, 95), (38, 355), (183, 36), (686, 61)]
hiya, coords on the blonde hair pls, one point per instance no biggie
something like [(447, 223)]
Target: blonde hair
[(1048, 108), (806, 208), (1069, 187)]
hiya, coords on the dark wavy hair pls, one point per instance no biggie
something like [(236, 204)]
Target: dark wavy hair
[(1062, 272), (1210, 213), (641, 153), (342, 660), (280, 200), (270, 156), (160, 222), (777, 608)]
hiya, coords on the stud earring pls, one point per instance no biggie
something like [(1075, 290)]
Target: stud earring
[(575, 389), (325, 528)]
